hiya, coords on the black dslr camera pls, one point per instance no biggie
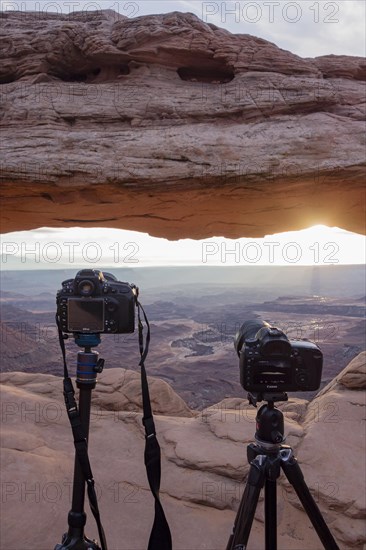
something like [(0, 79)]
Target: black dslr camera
[(96, 302), (270, 362)]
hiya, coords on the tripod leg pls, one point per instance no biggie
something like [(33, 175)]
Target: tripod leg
[(75, 538), (295, 476), (245, 516), (270, 514)]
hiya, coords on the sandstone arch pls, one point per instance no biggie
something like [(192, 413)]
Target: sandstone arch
[(99, 128)]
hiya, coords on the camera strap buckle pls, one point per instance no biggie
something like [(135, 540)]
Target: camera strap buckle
[(149, 427), (69, 396)]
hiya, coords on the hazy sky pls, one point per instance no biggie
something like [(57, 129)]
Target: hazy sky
[(51, 248), (307, 27)]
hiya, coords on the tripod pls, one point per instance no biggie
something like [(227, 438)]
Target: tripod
[(266, 458), (88, 365)]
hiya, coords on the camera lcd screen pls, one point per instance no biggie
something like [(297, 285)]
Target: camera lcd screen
[(85, 315)]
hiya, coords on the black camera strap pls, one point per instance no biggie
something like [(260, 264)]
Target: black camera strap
[(80, 441), (160, 537)]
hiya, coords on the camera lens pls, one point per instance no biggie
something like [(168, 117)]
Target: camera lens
[(248, 330), (86, 287)]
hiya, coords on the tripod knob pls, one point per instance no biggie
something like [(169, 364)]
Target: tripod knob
[(276, 436), (99, 366)]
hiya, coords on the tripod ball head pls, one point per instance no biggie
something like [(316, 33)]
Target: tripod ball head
[(270, 425)]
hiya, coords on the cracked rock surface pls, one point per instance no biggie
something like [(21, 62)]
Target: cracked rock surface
[(204, 466)]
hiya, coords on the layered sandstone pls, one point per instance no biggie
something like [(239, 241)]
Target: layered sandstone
[(203, 460), (172, 126)]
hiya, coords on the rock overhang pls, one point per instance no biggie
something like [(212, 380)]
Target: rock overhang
[(174, 127)]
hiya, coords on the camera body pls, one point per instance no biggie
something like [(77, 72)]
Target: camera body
[(96, 302), (270, 362)]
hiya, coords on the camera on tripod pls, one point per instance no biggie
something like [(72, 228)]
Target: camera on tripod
[(270, 362), (270, 365), (92, 303), (96, 302)]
